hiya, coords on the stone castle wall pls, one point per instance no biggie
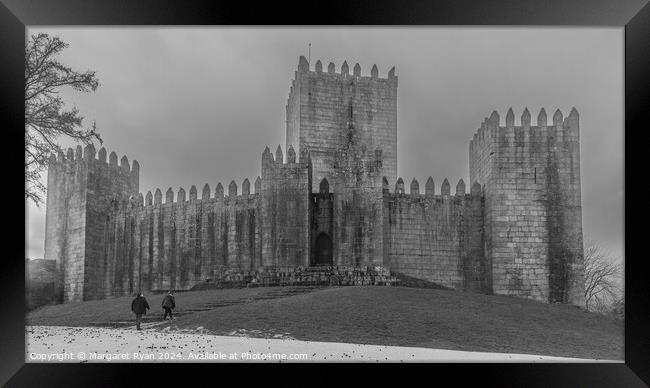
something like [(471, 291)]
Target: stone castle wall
[(182, 241), (110, 241), (286, 208), (357, 204), (436, 237)]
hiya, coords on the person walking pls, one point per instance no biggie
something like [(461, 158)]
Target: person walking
[(168, 304), (139, 306)]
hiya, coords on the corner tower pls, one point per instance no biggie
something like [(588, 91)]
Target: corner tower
[(82, 190), (318, 114), (533, 214)]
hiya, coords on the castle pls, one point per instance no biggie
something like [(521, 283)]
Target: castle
[(333, 199)]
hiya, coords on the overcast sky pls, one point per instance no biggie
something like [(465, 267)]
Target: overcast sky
[(198, 105)]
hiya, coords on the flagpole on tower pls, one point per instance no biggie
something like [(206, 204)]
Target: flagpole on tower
[(309, 60)]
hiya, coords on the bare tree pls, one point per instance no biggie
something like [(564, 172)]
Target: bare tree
[(602, 279), (45, 117)]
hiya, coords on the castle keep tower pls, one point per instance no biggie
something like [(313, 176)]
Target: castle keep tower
[(317, 114), (81, 193), (533, 214)]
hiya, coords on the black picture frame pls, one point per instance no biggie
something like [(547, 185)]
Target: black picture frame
[(634, 15)]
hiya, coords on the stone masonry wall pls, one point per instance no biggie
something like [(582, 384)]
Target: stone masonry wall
[(107, 184), (356, 177), (66, 222), (286, 208), (179, 243), (436, 237), (357, 219), (530, 178)]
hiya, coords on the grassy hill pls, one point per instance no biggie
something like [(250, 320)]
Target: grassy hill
[(372, 315)]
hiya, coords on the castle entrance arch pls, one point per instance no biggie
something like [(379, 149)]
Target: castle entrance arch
[(323, 250)]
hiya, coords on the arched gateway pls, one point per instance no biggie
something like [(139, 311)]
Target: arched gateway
[(323, 250)]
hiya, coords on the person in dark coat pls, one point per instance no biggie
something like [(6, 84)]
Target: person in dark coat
[(168, 304), (139, 306)]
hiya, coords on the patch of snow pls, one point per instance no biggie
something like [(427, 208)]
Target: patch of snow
[(97, 344)]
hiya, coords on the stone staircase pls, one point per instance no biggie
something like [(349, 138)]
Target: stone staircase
[(302, 276)]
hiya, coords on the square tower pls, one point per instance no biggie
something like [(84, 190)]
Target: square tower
[(82, 190), (530, 177), (318, 112)]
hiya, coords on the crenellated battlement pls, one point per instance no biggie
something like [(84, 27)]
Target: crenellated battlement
[(93, 173), (87, 154), (494, 130), (344, 71), (279, 161), (232, 196), (399, 190)]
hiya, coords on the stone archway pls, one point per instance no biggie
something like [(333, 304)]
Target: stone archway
[(323, 250)]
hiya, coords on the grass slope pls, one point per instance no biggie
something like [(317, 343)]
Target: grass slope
[(381, 316), (117, 311)]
